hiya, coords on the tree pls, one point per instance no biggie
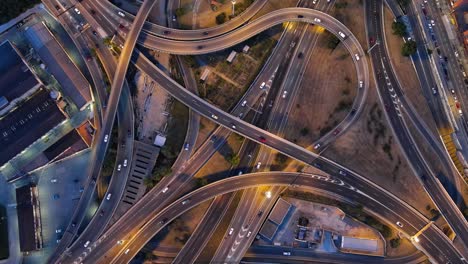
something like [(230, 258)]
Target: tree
[(221, 18), (386, 231), (201, 182), (409, 48), (399, 28), (233, 159), (180, 12), (395, 242), (304, 131), (404, 3), (281, 159), (332, 41)]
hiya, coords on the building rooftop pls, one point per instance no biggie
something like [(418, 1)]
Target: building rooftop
[(27, 123), (15, 76), (74, 84), (26, 204), (279, 212), (359, 244)]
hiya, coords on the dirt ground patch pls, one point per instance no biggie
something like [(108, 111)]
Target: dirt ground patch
[(327, 90), (178, 231)]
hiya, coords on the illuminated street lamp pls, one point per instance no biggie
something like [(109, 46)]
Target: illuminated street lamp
[(233, 4), (268, 194)]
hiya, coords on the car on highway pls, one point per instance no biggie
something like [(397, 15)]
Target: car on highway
[(434, 91), (108, 196), (187, 146), (121, 26), (126, 251), (262, 139), (262, 85), (120, 242), (231, 231), (353, 111), (106, 138), (317, 165), (361, 84), (314, 2), (342, 172), (233, 126), (121, 14), (94, 33), (249, 233), (258, 165), (56, 196), (336, 132), (300, 55), (125, 163), (185, 201), (341, 34), (119, 167), (356, 56), (244, 103), (285, 93), (286, 253), (53, 180), (317, 146), (101, 212), (174, 18), (77, 11), (87, 243), (163, 221), (58, 231), (317, 20), (398, 223), (452, 91), (214, 116), (165, 189)]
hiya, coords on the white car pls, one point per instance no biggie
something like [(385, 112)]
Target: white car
[(108, 196), (285, 93), (262, 85), (126, 251), (286, 253), (58, 231), (244, 103), (249, 233), (185, 201), (231, 231), (125, 163), (317, 146), (119, 167), (233, 126), (341, 34), (342, 172), (456, 54), (361, 84), (86, 244), (165, 189), (258, 165), (356, 56), (187, 146), (121, 14), (460, 112), (314, 2), (53, 180), (317, 20), (214, 116), (399, 224), (120, 242), (77, 11), (106, 138)]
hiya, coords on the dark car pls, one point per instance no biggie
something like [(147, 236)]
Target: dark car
[(205, 33), (94, 33), (262, 139), (200, 47), (300, 55), (353, 112), (121, 26), (300, 16)]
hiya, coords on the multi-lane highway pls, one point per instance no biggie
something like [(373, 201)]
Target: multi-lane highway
[(389, 91), (104, 244), (388, 206)]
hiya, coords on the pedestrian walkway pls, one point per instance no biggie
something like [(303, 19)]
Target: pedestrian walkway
[(12, 170)]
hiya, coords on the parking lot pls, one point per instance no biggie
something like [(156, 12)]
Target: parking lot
[(59, 186)]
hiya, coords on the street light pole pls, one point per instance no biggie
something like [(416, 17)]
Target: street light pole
[(233, 4)]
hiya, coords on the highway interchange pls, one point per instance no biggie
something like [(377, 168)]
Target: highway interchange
[(140, 220)]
